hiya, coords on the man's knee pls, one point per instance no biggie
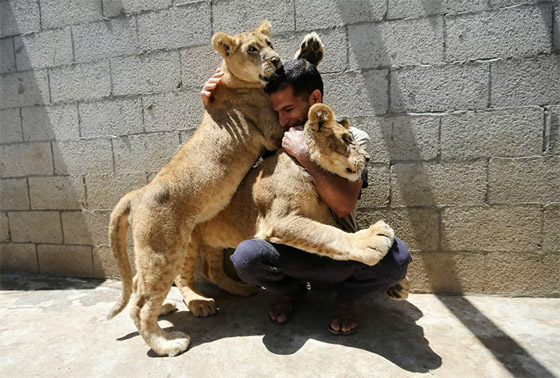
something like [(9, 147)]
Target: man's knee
[(249, 254)]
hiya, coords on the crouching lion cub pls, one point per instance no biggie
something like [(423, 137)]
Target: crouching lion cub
[(278, 202), (196, 184)]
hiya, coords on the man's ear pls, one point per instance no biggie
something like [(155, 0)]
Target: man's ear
[(320, 117), (315, 97), (223, 43), (264, 28)]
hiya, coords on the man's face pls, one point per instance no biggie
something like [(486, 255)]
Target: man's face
[(292, 110)]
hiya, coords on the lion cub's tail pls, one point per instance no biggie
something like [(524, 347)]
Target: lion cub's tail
[(118, 227)]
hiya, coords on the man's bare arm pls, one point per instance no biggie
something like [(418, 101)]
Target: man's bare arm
[(340, 195)]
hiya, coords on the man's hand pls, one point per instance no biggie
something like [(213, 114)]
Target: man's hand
[(295, 145), (210, 86)]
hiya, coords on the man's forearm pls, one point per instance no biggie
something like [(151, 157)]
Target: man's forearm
[(341, 195)]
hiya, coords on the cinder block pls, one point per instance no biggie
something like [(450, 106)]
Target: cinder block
[(420, 8), (86, 227), (4, 228), (46, 49), (334, 41), (59, 13), (439, 88), (509, 3), (173, 110), (551, 229), (104, 265), (524, 273), (24, 88), (54, 193), (241, 15), (105, 39), (35, 226), (112, 8), (50, 122), (198, 64), (105, 191), (491, 229), (82, 157), (321, 14), (157, 72), (19, 17), (111, 117), (14, 194), (448, 273), (438, 184), (379, 187), (522, 82), (524, 180), (80, 82), (18, 257), (175, 27), (144, 153), (18, 160), (7, 56), (402, 138), (418, 228), (503, 132), (10, 126), (71, 260), (556, 28), (355, 94), (518, 31), (552, 130), (396, 43)]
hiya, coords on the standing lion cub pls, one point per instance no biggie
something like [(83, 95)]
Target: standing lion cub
[(238, 126), (278, 202)]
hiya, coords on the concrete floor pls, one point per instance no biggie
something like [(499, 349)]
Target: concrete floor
[(56, 327)]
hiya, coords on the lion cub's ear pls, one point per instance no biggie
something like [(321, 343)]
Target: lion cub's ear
[(320, 116), (264, 28), (345, 123), (224, 44)]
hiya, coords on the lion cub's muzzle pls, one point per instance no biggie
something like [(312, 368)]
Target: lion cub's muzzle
[(271, 65)]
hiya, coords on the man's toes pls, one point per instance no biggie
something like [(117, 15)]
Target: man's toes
[(281, 318), (335, 325)]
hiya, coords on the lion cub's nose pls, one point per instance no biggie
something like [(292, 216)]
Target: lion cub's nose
[(275, 60), (367, 158)]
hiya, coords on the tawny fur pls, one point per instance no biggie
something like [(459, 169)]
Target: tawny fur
[(278, 202), (238, 126)]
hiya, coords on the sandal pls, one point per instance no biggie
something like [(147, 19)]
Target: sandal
[(345, 310)]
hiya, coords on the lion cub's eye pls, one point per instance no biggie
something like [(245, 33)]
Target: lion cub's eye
[(269, 44), (347, 139), (252, 49)]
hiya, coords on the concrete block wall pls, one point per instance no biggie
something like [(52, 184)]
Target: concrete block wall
[(461, 100)]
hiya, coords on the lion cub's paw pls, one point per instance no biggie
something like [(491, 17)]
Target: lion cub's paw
[(399, 292), (202, 308), (381, 228), (311, 49), (175, 343), (167, 309)]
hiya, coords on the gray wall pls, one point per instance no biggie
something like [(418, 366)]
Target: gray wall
[(460, 99)]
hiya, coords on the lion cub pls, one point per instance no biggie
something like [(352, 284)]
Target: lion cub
[(278, 202), (238, 126)]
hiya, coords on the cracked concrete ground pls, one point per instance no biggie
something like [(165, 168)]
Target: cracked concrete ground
[(56, 327)]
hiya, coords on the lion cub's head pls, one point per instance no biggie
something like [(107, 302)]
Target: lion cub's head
[(331, 145), (249, 56)]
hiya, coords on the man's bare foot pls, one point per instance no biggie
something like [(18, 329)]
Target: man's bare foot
[(345, 318), (280, 312)]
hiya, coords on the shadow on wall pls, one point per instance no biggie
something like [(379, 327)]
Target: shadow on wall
[(45, 159), (399, 133)]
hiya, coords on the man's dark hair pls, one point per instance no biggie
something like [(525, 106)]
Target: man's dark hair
[(299, 74)]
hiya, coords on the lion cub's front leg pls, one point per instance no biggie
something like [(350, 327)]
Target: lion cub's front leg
[(367, 246)]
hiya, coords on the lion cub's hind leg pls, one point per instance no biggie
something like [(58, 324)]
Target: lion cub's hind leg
[(152, 285), (214, 261), (199, 305)]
